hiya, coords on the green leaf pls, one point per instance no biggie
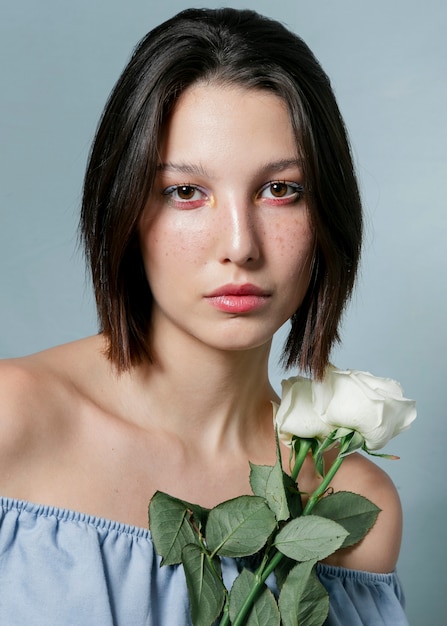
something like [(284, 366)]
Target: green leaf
[(170, 527), (199, 513), (205, 586), (267, 482), (354, 512), (352, 443), (317, 455), (239, 527), (264, 611), (259, 475), (293, 496), (282, 570), (303, 600), (310, 537), (318, 451), (276, 487), (389, 457), (276, 494)]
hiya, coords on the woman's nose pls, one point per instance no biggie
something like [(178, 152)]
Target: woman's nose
[(238, 234)]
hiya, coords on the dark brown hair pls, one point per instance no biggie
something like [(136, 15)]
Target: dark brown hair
[(227, 46)]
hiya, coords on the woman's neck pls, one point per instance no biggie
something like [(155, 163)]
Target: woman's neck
[(200, 394)]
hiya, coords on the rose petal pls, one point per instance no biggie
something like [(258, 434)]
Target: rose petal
[(347, 399)]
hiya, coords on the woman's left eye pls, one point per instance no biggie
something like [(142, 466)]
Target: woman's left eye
[(185, 196), (283, 192)]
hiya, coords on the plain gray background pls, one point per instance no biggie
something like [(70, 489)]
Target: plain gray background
[(387, 61)]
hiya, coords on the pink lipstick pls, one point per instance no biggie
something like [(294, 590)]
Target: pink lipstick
[(238, 298)]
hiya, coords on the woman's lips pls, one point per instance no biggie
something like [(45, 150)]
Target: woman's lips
[(238, 298)]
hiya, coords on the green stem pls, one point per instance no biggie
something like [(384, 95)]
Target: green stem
[(225, 621), (324, 485), (300, 456), (275, 561), (263, 573), (249, 600)]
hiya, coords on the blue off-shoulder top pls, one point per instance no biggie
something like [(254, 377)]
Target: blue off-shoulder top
[(64, 568)]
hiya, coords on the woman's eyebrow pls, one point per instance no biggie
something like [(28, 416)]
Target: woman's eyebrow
[(184, 168), (281, 165)]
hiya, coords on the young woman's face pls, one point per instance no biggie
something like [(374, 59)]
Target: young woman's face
[(226, 237)]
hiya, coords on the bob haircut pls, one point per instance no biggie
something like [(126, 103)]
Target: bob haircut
[(226, 47)]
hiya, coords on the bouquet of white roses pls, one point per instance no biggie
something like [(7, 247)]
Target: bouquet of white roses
[(354, 410)]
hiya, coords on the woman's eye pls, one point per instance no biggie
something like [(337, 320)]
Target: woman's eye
[(283, 191), (185, 196)]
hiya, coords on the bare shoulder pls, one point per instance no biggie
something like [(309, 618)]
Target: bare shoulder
[(27, 391), (38, 395), (379, 550)]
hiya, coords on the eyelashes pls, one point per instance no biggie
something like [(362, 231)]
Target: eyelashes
[(185, 193), (274, 193), (281, 190)]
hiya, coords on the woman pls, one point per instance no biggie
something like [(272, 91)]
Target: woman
[(219, 202)]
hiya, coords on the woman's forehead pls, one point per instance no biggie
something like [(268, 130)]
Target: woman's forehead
[(213, 124)]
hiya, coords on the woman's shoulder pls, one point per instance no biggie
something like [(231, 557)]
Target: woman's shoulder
[(26, 381), (379, 550), (38, 394)]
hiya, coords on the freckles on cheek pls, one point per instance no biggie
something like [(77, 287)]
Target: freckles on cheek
[(293, 238), (281, 245), (276, 234), (179, 247), (192, 244)]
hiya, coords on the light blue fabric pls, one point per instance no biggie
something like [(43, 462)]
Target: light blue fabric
[(62, 568)]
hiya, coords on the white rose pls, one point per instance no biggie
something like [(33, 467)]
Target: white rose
[(296, 415), (352, 400)]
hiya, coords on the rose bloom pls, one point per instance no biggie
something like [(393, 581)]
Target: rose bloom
[(347, 399)]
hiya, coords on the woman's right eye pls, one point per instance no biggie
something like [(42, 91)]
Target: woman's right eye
[(185, 196)]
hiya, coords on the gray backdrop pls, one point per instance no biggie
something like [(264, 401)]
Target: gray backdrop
[(387, 60)]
